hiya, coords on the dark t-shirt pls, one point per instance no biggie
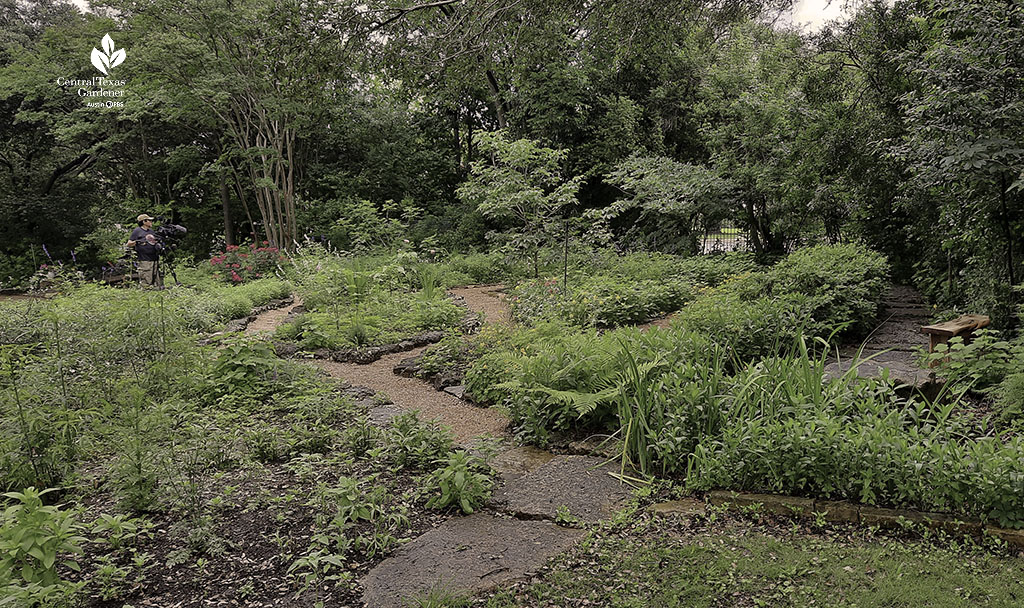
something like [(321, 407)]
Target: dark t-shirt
[(146, 251)]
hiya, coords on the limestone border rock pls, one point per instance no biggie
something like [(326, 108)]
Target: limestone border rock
[(848, 512)]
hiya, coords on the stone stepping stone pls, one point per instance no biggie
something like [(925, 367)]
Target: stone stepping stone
[(465, 556), (516, 462), (459, 392), (382, 415), (902, 373), (580, 483)]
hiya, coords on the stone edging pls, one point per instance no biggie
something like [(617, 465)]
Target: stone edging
[(242, 322), (364, 355), (849, 512)]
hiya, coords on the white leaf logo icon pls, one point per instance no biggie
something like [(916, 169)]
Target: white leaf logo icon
[(98, 60), (117, 58), (107, 58)]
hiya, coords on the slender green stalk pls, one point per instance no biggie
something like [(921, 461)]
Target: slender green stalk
[(60, 360), (22, 418)]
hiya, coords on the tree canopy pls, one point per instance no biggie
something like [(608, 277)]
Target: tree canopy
[(253, 120)]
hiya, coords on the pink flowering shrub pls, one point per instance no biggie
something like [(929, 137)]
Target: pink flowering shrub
[(240, 263)]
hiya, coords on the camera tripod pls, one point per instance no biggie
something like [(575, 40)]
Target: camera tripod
[(167, 260)]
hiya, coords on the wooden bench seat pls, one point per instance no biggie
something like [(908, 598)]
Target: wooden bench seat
[(940, 333)]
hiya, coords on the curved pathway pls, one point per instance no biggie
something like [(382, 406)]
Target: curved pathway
[(516, 533), (467, 422), (267, 321)]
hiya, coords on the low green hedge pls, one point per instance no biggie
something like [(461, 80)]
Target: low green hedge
[(600, 301)]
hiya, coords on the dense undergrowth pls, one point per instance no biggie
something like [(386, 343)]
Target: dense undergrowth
[(110, 398)]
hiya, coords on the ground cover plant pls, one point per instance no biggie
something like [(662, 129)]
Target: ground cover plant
[(608, 290), (361, 302), (717, 560)]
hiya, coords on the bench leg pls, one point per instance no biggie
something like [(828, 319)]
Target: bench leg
[(933, 341)]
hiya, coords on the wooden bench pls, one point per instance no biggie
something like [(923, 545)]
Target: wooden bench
[(940, 333)]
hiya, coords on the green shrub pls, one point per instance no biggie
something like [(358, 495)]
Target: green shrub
[(204, 308), (786, 430), (263, 291), (748, 329), (481, 268), (234, 306), (645, 266), (713, 270), (598, 301), (381, 318), (415, 444), (983, 363), (32, 538), (487, 373), (842, 284), (1010, 397)]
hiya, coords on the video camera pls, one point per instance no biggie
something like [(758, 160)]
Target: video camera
[(169, 235)]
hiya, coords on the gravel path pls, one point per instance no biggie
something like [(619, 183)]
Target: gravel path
[(267, 321), (488, 301), (661, 323), (465, 420)]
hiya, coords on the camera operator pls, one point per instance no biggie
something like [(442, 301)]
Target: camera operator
[(148, 247)]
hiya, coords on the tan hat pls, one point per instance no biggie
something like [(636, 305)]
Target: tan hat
[(143, 217)]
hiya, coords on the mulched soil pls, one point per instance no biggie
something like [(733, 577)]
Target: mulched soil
[(263, 526)]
